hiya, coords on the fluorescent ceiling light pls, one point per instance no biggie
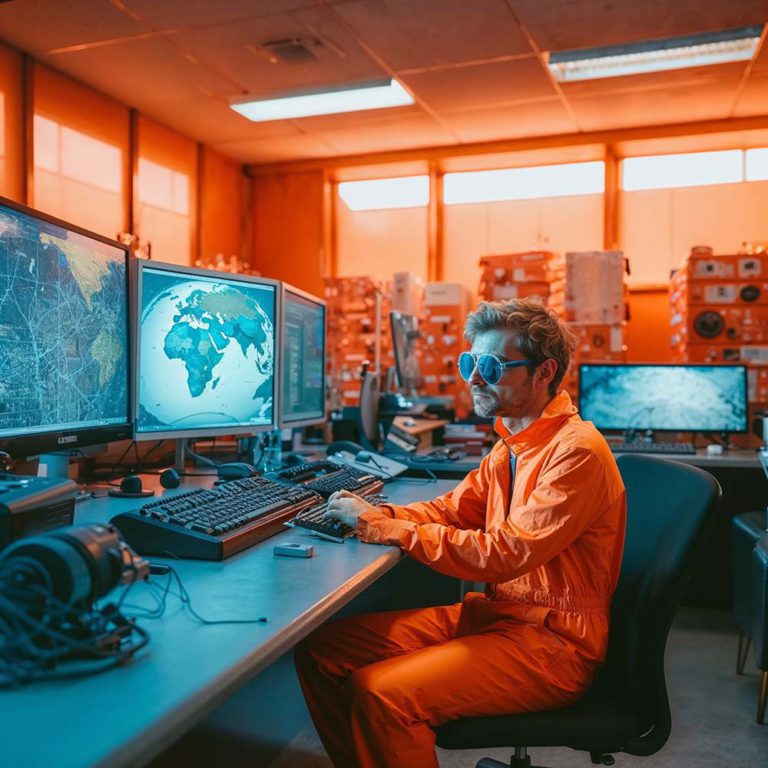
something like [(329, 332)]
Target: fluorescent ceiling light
[(371, 95), (656, 56), (377, 194)]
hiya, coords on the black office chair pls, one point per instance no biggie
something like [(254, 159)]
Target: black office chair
[(746, 530), (670, 510), (760, 619)]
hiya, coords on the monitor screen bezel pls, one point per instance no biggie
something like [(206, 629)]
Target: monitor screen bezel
[(284, 421), (138, 266), (57, 439), (745, 380)]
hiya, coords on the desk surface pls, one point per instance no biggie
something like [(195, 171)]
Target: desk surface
[(128, 715)]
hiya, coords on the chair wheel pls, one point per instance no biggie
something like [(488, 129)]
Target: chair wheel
[(607, 759)]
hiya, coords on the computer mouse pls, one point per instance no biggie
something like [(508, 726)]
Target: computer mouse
[(409, 422), (292, 459), (363, 456), (235, 470)]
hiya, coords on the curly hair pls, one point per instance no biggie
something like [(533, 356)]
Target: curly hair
[(539, 333)]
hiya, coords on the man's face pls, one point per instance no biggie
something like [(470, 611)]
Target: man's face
[(514, 392)]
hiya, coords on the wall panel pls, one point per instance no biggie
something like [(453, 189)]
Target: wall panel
[(11, 125), (222, 208), (288, 230), (80, 153), (166, 192)]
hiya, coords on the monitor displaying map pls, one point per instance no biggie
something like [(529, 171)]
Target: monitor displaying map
[(206, 352), (64, 373), (676, 398), (302, 359)]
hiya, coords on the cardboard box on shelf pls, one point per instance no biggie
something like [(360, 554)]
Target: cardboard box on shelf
[(748, 354), (701, 264), (594, 286), (688, 292), (703, 324)]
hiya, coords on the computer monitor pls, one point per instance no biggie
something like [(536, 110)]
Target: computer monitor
[(64, 335), (302, 358), (405, 332), (671, 398), (205, 352)]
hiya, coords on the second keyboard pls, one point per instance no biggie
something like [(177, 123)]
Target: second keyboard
[(313, 519)]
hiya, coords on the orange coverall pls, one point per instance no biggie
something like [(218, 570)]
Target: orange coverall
[(535, 640)]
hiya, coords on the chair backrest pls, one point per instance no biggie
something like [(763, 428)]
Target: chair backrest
[(670, 511)]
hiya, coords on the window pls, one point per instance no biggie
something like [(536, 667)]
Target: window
[(379, 194), (693, 169), (756, 164), (524, 183), (163, 187)]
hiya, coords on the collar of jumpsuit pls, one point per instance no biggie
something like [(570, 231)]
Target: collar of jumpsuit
[(556, 410)]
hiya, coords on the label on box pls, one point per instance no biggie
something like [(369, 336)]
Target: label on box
[(749, 267), (720, 294), (712, 268), (754, 354), (505, 292)]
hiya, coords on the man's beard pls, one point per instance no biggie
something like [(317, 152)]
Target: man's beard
[(490, 405), (486, 407)]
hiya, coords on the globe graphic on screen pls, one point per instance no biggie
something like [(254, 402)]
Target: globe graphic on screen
[(207, 356)]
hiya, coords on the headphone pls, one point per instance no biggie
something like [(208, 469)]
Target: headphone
[(79, 563), (131, 487)]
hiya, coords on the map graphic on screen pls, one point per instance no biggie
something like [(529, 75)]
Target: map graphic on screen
[(680, 398), (63, 328), (207, 352)]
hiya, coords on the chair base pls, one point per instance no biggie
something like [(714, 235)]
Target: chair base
[(521, 759)]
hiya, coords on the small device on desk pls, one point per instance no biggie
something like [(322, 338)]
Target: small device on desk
[(378, 465), (327, 476), (30, 505), (213, 523), (313, 519)]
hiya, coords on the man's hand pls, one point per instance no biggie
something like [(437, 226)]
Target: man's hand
[(346, 507)]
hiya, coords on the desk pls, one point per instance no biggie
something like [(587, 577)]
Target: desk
[(126, 716)]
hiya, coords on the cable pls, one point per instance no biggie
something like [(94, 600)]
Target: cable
[(183, 596), (38, 631)]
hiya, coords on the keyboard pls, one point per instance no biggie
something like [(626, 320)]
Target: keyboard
[(325, 477), (331, 530), (661, 448), (213, 523)]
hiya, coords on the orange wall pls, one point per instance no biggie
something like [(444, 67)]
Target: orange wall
[(223, 207), (288, 235), (648, 327), (11, 125)]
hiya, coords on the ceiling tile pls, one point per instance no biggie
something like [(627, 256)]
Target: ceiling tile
[(693, 76), (233, 49), (168, 14), (275, 150), (212, 120), (563, 24), (416, 131), (481, 84), (141, 71), (41, 25), (539, 118), (711, 101), (754, 98), (422, 33)]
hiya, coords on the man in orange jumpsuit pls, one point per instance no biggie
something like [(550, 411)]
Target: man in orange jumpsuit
[(541, 521)]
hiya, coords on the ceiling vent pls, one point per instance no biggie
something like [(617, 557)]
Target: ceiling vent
[(292, 50)]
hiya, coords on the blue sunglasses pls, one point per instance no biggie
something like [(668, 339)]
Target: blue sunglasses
[(488, 366)]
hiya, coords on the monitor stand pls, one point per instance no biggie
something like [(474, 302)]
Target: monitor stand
[(55, 465), (183, 451)]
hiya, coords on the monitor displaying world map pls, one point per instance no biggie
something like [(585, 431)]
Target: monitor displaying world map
[(206, 352)]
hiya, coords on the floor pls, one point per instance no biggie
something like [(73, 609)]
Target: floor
[(713, 710)]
